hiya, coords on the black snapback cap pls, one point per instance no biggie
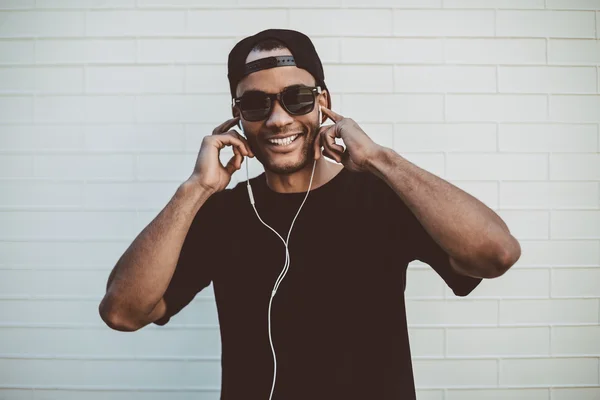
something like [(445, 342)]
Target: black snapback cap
[(304, 55)]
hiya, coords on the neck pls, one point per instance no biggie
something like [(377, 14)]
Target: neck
[(299, 180)]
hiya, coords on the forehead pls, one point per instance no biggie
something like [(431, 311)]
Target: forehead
[(273, 80)]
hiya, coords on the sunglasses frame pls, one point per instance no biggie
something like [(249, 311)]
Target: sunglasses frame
[(315, 90)]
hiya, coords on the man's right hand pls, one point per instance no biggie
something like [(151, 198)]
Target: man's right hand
[(209, 173)]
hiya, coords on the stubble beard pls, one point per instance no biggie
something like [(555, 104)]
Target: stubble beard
[(305, 154)]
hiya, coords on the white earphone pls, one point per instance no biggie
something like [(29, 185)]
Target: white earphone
[(285, 243)]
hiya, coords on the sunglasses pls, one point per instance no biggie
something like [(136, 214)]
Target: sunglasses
[(295, 100)]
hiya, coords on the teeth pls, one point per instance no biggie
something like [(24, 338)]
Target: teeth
[(283, 142)]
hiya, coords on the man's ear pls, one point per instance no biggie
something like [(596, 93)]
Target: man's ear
[(325, 100), (235, 111)]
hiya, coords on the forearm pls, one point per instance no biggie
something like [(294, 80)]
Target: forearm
[(142, 274), (465, 228)]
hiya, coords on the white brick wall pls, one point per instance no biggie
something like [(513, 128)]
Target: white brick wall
[(103, 105)]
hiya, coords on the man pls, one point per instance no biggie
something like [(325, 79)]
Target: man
[(335, 327)]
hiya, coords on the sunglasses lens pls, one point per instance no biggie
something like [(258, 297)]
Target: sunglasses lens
[(255, 106), (298, 101)]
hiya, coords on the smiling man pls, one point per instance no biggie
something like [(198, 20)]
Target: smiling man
[(321, 313)]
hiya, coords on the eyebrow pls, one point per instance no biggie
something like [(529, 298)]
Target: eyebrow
[(287, 87)]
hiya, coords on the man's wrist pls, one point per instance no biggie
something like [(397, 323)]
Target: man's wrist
[(380, 159)]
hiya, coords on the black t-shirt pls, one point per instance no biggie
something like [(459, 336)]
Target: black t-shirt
[(338, 319)]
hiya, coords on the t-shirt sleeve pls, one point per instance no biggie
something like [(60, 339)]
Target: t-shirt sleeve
[(419, 245), (197, 260)]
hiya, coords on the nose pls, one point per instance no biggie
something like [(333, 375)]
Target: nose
[(278, 117)]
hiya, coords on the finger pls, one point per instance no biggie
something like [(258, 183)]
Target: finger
[(331, 154), (335, 117), (225, 126), (243, 139), (222, 140), (231, 166), (328, 139)]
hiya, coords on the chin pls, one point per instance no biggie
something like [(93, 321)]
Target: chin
[(288, 167)]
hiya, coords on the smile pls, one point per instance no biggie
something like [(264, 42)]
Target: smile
[(283, 142)]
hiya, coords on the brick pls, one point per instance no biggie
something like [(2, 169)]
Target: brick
[(207, 79), (575, 340), (393, 107), (140, 195), (328, 49), (533, 138), (515, 283), (393, 50), (183, 108), (479, 342), (574, 52), (382, 134), (40, 194), (575, 108), (346, 78), (423, 283), (134, 79), (547, 79), (41, 80), (545, 195), (443, 22), (495, 51), (557, 24), (548, 371), (576, 393), (436, 79), (171, 166), (426, 342), (16, 109), (351, 22), (453, 373), (445, 137), (501, 108), (16, 4), (423, 394), (116, 108), (560, 253), (528, 224), (16, 166), (549, 311), (496, 166), (231, 22), (184, 50), (66, 224), (396, 3), (64, 282), (573, 4), (41, 23), (139, 137), (576, 282), (94, 51), (135, 23), (74, 255), (60, 108), (575, 167), (40, 137), (85, 4), (84, 166), (455, 312), (17, 51), (499, 4), (497, 394), (577, 224), (182, 3)]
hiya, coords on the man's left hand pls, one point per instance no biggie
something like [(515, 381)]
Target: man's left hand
[(360, 148)]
